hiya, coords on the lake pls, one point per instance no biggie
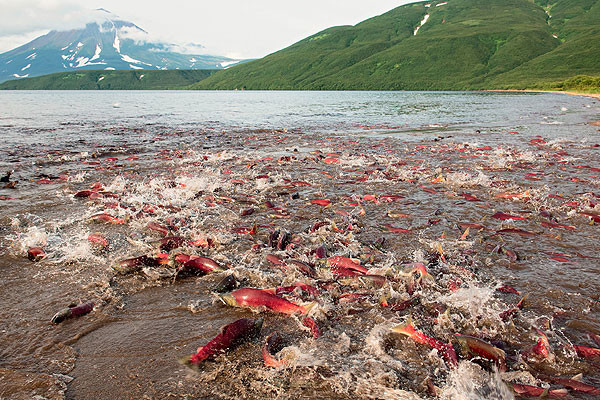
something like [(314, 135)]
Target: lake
[(462, 213)]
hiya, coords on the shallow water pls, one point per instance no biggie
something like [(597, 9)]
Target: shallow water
[(196, 160)]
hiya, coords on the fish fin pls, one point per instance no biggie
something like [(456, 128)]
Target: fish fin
[(406, 328), (578, 377), (383, 300), (520, 303), (187, 361)]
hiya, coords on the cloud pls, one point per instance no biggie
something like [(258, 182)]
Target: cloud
[(25, 16)]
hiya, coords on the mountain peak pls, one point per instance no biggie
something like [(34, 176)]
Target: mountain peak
[(106, 42)]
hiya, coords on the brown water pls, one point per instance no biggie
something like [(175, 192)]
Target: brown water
[(199, 177)]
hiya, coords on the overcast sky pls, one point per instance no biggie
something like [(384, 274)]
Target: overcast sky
[(234, 28)]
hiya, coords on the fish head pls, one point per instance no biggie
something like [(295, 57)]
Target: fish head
[(229, 300), (258, 325)]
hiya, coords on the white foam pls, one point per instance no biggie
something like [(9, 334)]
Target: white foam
[(470, 382)]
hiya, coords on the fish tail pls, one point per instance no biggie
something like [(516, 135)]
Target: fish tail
[(407, 328), (308, 307), (187, 361)]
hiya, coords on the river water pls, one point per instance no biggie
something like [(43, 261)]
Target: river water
[(484, 190)]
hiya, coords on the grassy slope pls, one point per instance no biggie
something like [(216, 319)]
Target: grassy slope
[(116, 80), (579, 54), (466, 44)]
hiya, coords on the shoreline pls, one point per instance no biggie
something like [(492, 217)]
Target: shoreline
[(593, 95)]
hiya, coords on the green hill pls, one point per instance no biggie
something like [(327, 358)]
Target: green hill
[(464, 44), (115, 80)]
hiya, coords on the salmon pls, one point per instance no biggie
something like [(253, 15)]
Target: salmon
[(479, 348), (230, 336), (445, 349), (251, 297)]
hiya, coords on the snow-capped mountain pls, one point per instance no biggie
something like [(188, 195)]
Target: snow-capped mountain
[(110, 43)]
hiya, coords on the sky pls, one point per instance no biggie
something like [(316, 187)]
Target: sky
[(233, 28)]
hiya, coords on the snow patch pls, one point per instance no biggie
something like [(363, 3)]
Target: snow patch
[(81, 62), (32, 56), (141, 76), (9, 61), (97, 53), (79, 45), (135, 66), (20, 76), (427, 5), (441, 4), (226, 64), (109, 68), (193, 60), (25, 67), (423, 21), (99, 79), (117, 43), (128, 59), (67, 46)]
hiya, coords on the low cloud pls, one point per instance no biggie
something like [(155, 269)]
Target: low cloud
[(25, 16)]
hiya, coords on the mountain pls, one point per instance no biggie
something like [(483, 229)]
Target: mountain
[(437, 45), (108, 44)]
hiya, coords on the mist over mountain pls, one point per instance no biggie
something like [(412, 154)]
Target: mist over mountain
[(108, 43)]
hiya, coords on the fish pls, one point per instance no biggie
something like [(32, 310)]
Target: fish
[(97, 239), (313, 326), (203, 264), (515, 230), (72, 312), (513, 196), (589, 353), (302, 267), (83, 194), (539, 392), (104, 217), (156, 227), (541, 349), (231, 335), (508, 289), (393, 229), (131, 265), (169, 243), (505, 315), (321, 202), (272, 343), (252, 297), (445, 349), (592, 216), (553, 225), (36, 254), (311, 290), (503, 216), (576, 385), (476, 347), (345, 262)]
